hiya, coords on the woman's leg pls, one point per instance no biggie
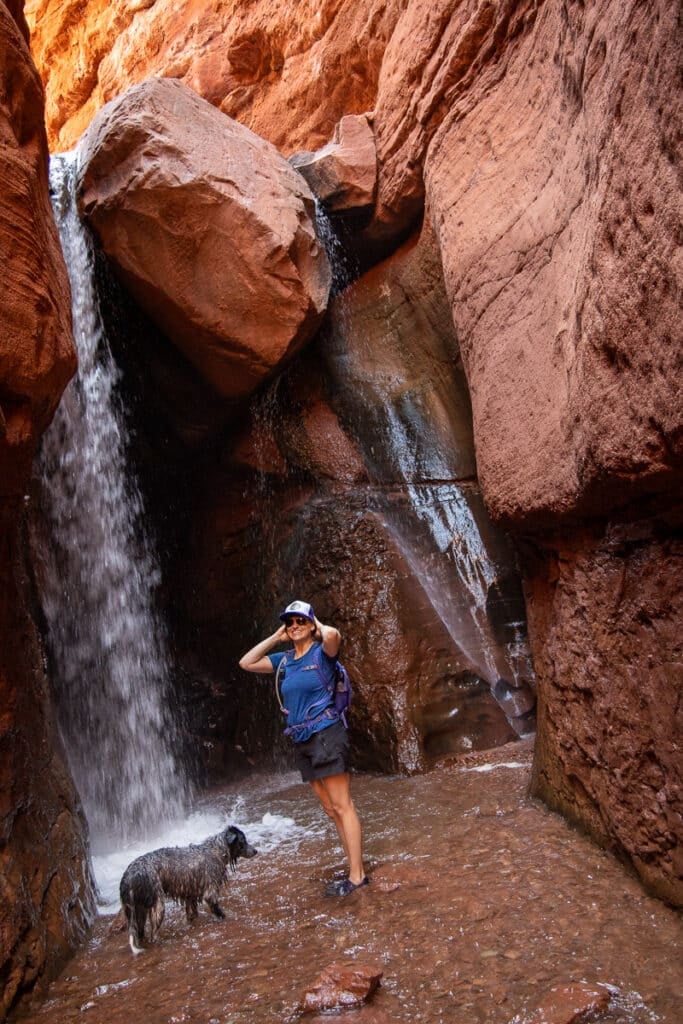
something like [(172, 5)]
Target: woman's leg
[(334, 794), (321, 793)]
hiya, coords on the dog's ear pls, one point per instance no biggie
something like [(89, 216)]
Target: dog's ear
[(230, 835)]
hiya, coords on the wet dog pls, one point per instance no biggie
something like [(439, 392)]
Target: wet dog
[(185, 874)]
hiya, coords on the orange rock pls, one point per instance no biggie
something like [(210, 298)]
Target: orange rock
[(44, 842), (37, 355), (288, 71), (340, 986), (209, 227), (552, 186)]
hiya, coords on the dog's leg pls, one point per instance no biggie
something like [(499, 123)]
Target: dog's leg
[(215, 907), (156, 917), (137, 917), (191, 910)]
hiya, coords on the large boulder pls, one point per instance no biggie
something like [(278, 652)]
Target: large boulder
[(210, 228)]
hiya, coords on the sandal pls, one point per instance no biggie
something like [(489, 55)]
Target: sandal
[(345, 887)]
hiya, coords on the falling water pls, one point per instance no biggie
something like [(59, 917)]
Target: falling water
[(342, 272), (97, 576), (406, 431)]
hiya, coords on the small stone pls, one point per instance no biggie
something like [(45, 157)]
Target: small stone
[(571, 1004), (340, 986)]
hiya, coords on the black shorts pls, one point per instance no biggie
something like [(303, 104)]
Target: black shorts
[(325, 753)]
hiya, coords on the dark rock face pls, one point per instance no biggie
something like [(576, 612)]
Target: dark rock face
[(604, 614), (47, 903)]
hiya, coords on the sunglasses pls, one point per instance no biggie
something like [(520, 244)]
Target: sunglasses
[(297, 621)]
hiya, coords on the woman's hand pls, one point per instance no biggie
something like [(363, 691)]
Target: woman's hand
[(331, 638), (256, 659)]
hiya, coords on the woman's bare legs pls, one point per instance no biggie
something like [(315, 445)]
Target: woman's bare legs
[(334, 794)]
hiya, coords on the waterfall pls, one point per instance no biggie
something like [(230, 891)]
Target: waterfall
[(97, 576), (408, 405)]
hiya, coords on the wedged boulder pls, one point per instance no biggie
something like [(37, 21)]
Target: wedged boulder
[(343, 174), (37, 354), (210, 229)]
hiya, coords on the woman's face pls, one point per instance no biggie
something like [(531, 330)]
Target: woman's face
[(298, 627)]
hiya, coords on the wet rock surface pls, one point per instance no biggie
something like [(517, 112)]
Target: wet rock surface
[(47, 902), (571, 1004), (353, 482), (604, 611), (482, 903)]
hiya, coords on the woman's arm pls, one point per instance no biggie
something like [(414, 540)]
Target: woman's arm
[(331, 638), (255, 660)]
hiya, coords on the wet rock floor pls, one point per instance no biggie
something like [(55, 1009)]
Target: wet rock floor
[(481, 901)]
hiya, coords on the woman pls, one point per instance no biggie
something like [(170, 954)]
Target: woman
[(320, 738)]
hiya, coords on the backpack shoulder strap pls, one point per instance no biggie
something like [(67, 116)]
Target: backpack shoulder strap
[(279, 675), (318, 661)]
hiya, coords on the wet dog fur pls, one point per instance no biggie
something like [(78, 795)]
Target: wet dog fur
[(185, 874)]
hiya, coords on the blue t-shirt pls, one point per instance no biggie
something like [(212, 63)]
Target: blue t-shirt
[(302, 688)]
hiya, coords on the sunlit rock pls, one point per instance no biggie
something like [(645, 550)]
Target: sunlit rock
[(37, 355), (289, 71), (210, 229), (340, 986), (343, 174)]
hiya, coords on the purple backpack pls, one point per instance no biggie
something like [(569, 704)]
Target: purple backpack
[(339, 689)]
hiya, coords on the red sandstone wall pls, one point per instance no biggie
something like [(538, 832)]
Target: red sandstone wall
[(46, 899)]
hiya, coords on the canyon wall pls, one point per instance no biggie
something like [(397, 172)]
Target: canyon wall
[(533, 148), (47, 899)]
